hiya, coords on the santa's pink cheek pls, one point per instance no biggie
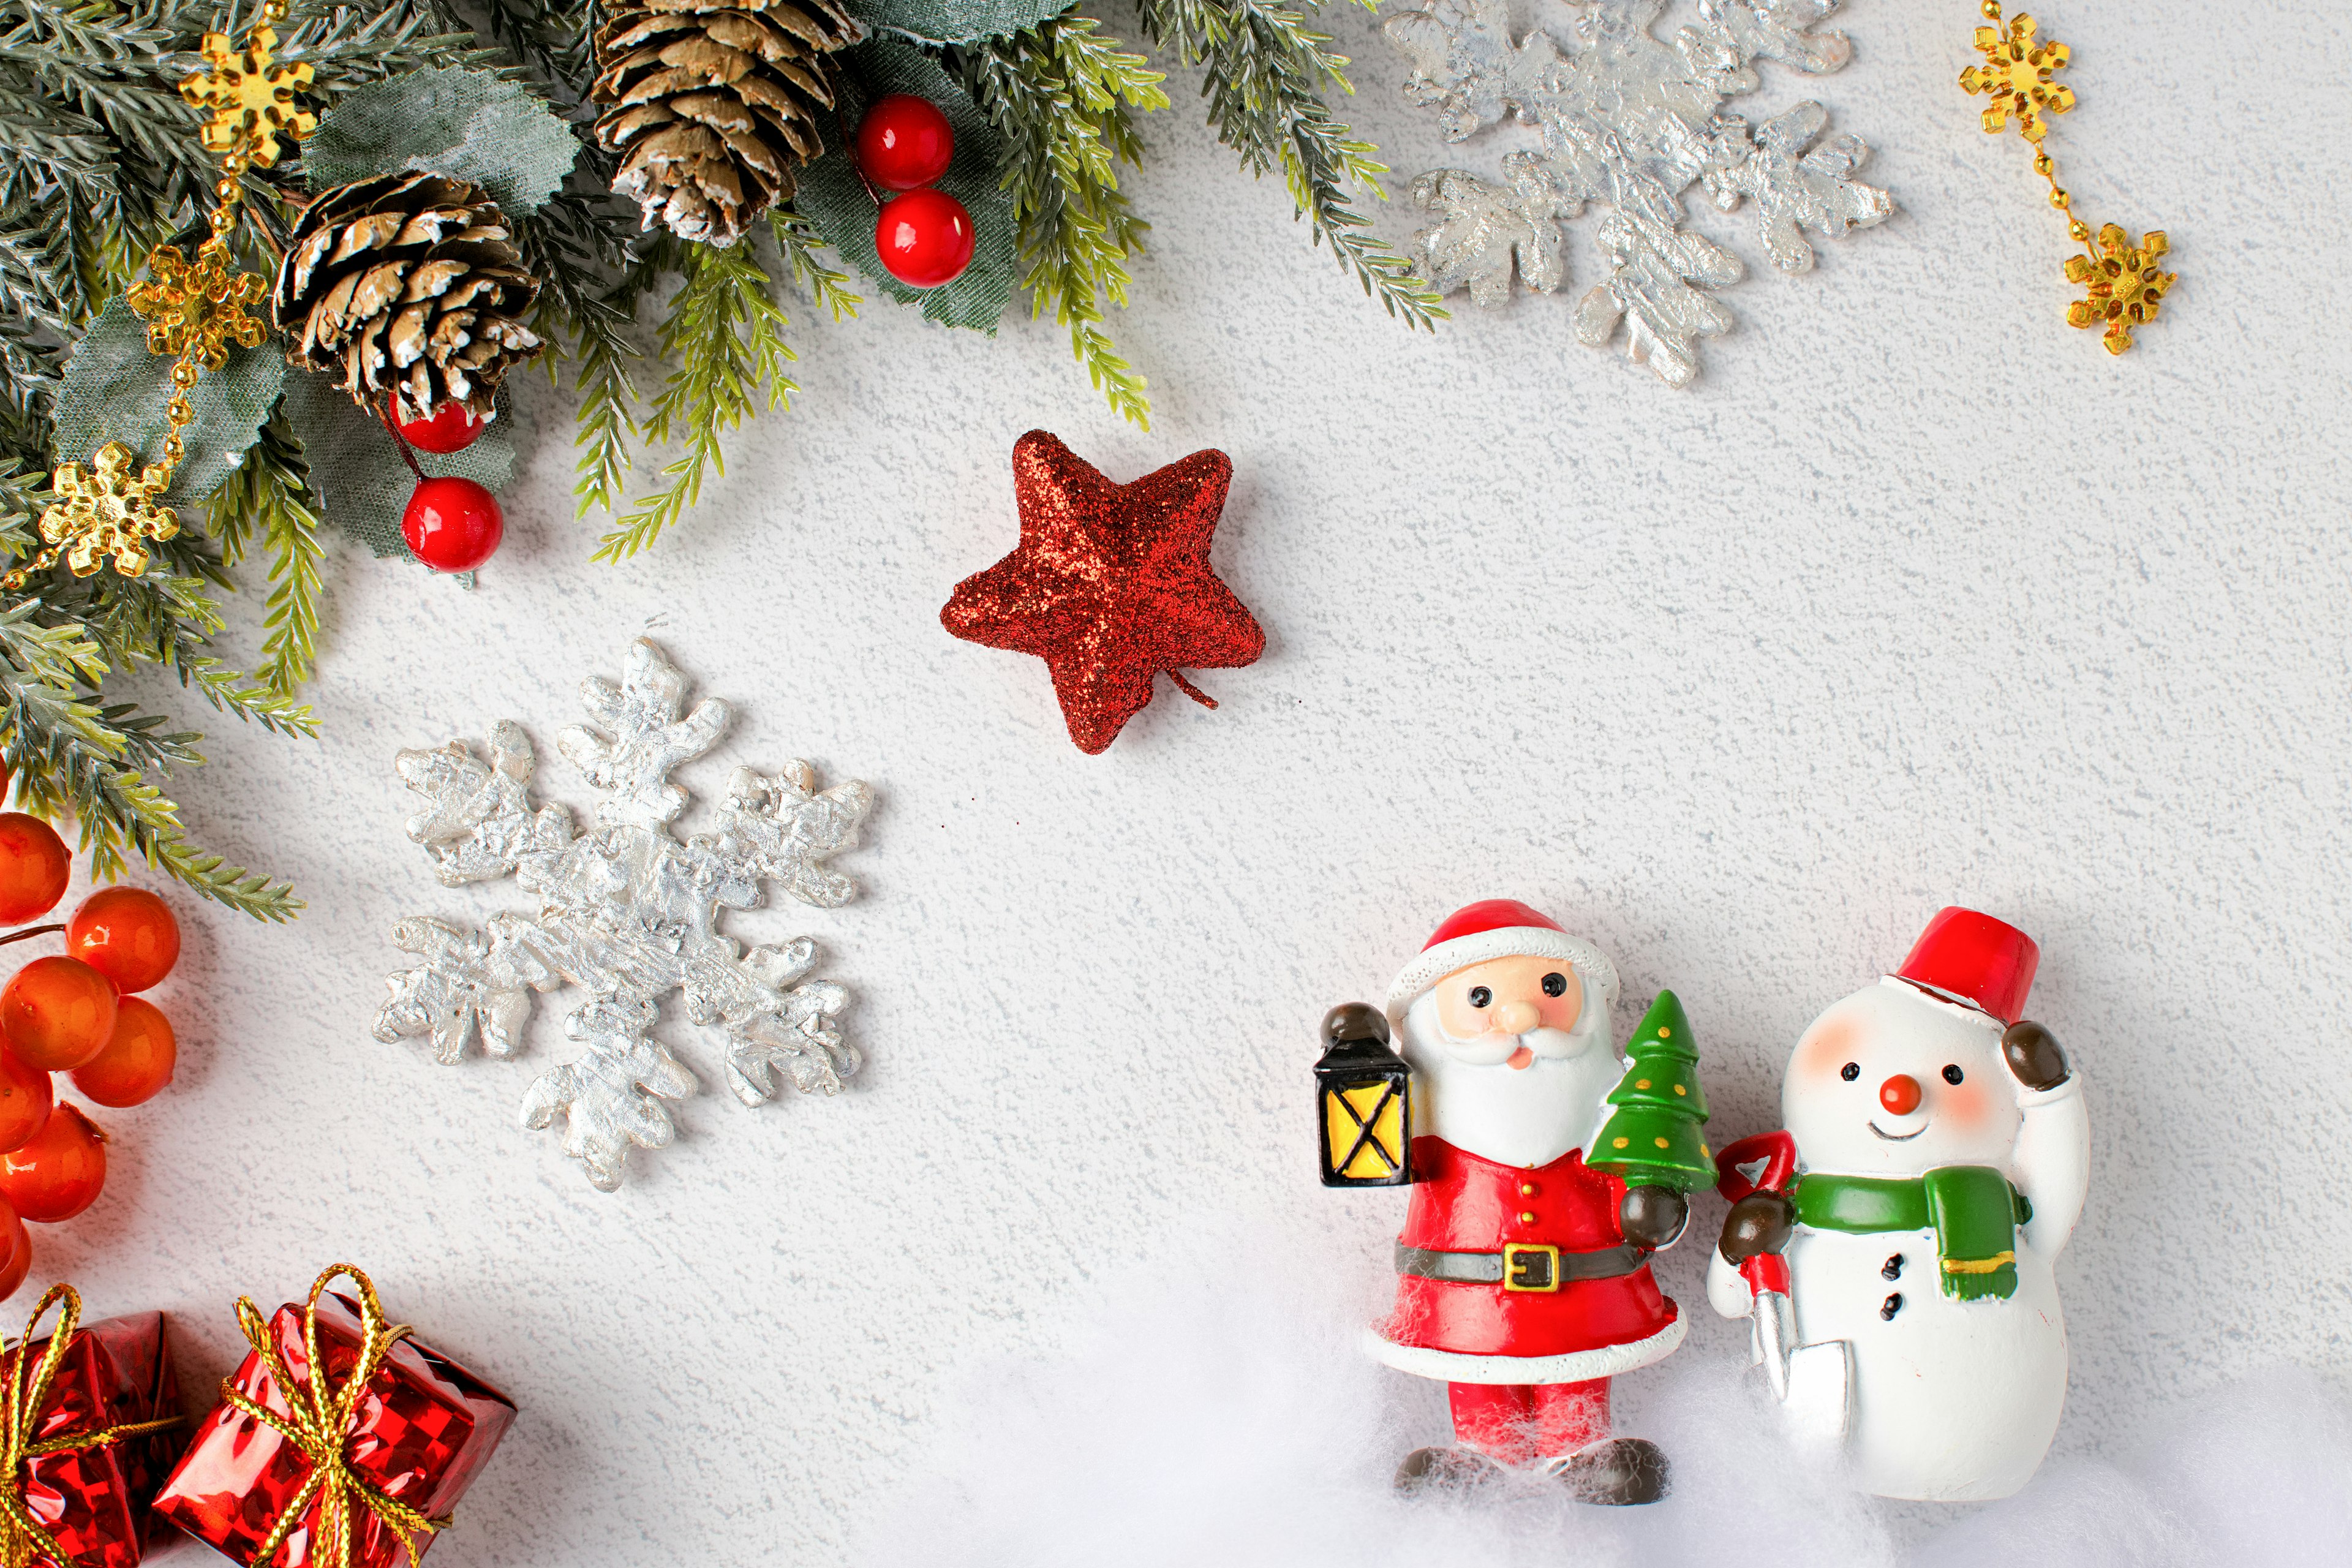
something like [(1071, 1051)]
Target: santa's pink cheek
[(1963, 1106)]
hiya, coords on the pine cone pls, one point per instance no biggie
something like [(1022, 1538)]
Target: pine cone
[(714, 104), (406, 286)]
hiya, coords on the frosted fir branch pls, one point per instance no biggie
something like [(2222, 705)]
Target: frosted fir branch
[(1263, 73)]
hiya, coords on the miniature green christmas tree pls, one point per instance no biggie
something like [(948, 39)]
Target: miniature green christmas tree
[(1652, 1138)]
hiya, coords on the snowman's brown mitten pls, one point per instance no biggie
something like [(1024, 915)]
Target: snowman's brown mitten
[(1761, 1222), (2034, 1055), (1652, 1216)]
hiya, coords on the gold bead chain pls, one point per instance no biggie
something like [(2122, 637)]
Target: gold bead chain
[(2122, 286), (195, 309)]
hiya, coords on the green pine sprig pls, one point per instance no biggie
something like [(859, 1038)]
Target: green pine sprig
[(1263, 71), (1063, 96), (71, 752), (270, 497), (725, 334)]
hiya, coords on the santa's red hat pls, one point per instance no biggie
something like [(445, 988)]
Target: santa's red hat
[(1501, 928), (1976, 959)]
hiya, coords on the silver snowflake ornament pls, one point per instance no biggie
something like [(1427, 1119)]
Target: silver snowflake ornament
[(1631, 122), (628, 911)]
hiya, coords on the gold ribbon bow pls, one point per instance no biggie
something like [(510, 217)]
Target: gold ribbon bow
[(320, 1419), (23, 1539)]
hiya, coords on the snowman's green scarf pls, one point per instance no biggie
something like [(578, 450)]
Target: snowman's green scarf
[(1973, 1210)]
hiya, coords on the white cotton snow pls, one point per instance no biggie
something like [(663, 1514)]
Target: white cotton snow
[(1221, 1412)]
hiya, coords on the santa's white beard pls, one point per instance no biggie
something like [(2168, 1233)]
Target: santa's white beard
[(1514, 1116)]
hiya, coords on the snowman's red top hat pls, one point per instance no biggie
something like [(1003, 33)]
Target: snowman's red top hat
[(1964, 956)]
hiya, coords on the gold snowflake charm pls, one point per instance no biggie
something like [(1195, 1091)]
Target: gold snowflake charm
[(252, 104), (107, 511), (195, 309), (2126, 288), (2017, 73)]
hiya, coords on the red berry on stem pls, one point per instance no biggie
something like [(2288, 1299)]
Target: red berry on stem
[(127, 934), (60, 1173), (35, 866), (452, 524), (451, 428), (19, 1261), (138, 1059), (26, 1098), (904, 141), (924, 239), (57, 1013)]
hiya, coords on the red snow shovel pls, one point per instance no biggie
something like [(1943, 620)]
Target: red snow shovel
[(1813, 1382)]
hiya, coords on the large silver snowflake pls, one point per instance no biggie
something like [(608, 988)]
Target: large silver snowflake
[(627, 911), (1630, 120)]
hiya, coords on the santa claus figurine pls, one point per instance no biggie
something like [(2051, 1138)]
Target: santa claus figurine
[(1523, 1275), (1894, 1244)]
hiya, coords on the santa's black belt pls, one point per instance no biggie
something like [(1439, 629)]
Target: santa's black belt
[(1520, 1266)]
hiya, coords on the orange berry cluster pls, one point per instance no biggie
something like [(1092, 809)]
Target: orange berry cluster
[(76, 1014)]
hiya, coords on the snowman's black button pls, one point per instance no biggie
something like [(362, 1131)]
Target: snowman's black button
[(1892, 1268), (1892, 1305)]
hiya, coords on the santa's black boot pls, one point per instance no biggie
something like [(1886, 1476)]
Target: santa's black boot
[(1618, 1473), (1444, 1470)]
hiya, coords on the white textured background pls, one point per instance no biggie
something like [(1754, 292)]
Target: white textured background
[(1918, 597)]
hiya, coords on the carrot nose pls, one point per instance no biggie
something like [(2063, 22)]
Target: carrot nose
[(1900, 1094)]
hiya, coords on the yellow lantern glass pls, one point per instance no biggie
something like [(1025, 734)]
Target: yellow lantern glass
[(1363, 1096)]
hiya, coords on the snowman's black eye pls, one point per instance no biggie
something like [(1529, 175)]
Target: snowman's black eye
[(1554, 984), (1952, 1073), (1851, 1072), (1480, 996)]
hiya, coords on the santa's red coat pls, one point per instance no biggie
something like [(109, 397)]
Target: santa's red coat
[(1483, 1334)]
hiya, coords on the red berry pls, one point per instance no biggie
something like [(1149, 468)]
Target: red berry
[(57, 1013), (137, 1060), (19, 1261), (451, 428), (904, 141), (924, 239), (127, 934), (58, 1173), (452, 524), (26, 1098), (35, 866)]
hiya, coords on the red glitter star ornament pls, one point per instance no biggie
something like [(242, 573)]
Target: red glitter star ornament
[(1109, 584)]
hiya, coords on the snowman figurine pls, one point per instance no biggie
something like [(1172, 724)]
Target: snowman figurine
[(1894, 1244)]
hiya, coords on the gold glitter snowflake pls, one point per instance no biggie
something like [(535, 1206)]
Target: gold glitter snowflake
[(107, 511), (2125, 287), (252, 104), (2017, 73), (198, 308)]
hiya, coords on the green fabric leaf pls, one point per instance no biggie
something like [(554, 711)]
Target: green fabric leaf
[(469, 124), (114, 390), (956, 21), (832, 198), (355, 467)]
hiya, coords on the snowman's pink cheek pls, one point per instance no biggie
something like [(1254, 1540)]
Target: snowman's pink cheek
[(1826, 1049), (1963, 1106)]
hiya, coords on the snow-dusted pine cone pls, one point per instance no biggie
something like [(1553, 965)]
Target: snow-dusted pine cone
[(715, 104), (406, 288)]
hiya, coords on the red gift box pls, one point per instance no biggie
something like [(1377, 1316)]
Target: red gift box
[(85, 1419), (356, 1468)]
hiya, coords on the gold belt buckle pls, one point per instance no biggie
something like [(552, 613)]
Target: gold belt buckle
[(1529, 1268)]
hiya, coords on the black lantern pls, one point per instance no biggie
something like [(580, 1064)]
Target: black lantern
[(1363, 1102)]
